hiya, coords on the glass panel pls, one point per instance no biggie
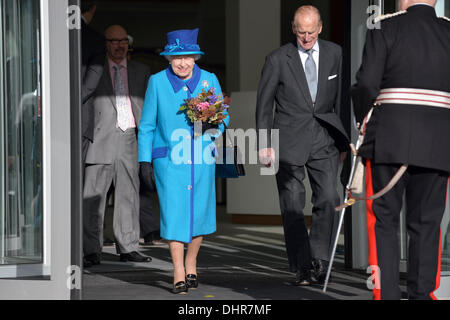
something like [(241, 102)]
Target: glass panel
[(21, 210)]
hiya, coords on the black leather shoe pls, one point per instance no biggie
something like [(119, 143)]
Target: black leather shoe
[(180, 288), (134, 257), (192, 281), (303, 278), (148, 239), (320, 270), (108, 242), (86, 263), (93, 259), (154, 239)]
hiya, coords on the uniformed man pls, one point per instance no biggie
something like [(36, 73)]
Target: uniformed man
[(406, 73)]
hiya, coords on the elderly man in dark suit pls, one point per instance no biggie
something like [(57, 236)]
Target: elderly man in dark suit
[(302, 80), (112, 156)]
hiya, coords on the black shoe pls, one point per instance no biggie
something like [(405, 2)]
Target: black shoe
[(108, 242), (192, 281), (303, 278), (93, 258), (134, 257), (148, 239), (320, 270), (156, 235), (86, 263), (154, 239), (180, 288)]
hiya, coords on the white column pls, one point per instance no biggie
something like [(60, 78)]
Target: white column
[(359, 229), (253, 31), (259, 35)]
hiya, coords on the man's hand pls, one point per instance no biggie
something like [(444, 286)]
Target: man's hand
[(146, 174), (267, 157)]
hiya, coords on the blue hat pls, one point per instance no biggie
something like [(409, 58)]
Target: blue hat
[(182, 42)]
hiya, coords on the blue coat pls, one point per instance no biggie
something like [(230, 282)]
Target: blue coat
[(184, 166)]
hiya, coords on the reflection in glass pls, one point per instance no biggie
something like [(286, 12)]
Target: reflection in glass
[(21, 208)]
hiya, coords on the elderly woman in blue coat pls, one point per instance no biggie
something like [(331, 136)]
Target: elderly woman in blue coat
[(183, 160)]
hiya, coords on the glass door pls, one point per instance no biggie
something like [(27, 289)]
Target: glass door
[(35, 153), (21, 135)]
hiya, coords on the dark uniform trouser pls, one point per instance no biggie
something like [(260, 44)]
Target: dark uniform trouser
[(148, 218), (426, 192), (300, 246)]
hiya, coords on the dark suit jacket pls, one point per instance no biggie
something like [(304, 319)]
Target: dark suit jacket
[(284, 85), (93, 59), (411, 50), (102, 149)]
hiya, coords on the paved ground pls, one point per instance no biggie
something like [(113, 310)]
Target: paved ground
[(239, 262)]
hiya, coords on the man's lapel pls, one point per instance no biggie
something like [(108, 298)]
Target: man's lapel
[(107, 84), (295, 63), (132, 85), (324, 67)]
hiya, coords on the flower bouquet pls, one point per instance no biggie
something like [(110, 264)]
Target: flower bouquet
[(207, 109)]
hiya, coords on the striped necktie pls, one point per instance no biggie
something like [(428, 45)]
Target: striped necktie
[(123, 117), (311, 75)]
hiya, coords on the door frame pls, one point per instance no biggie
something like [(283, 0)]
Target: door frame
[(55, 81)]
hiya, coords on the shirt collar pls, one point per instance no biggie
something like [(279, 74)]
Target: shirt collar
[(178, 84), (315, 48), (123, 63)]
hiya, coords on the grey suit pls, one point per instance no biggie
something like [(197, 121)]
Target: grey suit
[(311, 136), (112, 159)]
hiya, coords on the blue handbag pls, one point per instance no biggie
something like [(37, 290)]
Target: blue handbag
[(231, 167)]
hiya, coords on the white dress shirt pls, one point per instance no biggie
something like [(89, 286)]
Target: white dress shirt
[(304, 56)]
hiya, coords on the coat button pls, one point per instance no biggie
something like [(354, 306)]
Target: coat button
[(189, 162), (188, 137), (189, 188), (185, 89)]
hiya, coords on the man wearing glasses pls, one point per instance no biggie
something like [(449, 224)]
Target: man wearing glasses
[(112, 156), (303, 81)]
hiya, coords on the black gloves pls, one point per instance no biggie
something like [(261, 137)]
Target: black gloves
[(146, 175)]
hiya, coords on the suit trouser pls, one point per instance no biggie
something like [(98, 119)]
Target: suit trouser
[(302, 248), (123, 173), (426, 191), (149, 220), (84, 149)]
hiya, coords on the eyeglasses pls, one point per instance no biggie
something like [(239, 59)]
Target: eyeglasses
[(119, 41)]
